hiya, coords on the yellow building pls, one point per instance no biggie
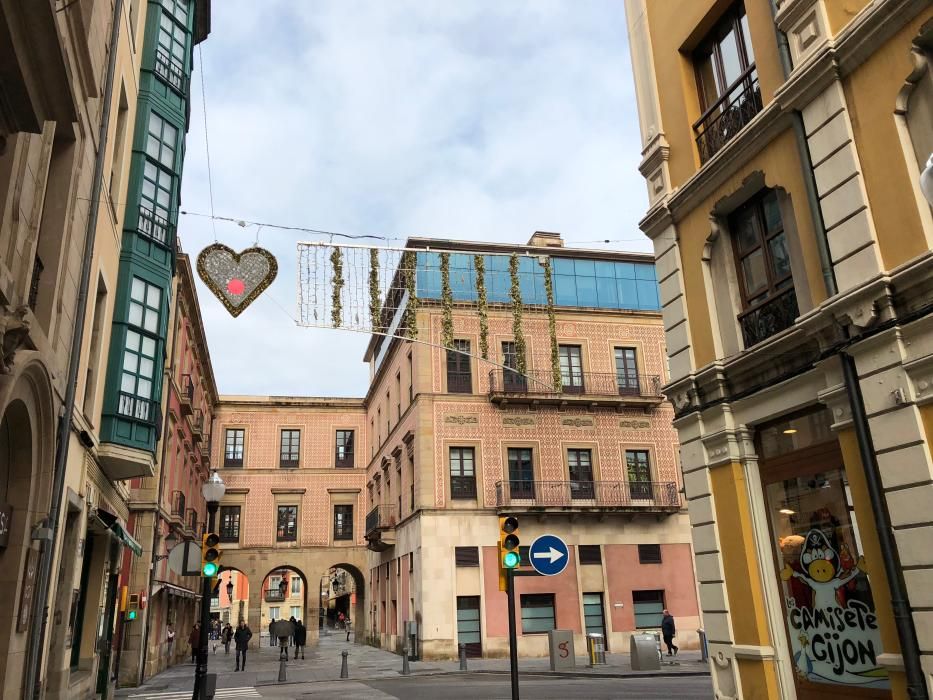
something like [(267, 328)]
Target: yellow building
[(782, 147)]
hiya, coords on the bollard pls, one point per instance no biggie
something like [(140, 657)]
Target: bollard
[(344, 673), (463, 661), (406, 669), (283, 659), (704, 649)]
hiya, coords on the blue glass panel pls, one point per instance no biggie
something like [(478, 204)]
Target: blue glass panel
[(586, 268), (565, 290), (461, 261), (429, 284), (607, 292), (497, 286), (648, 295), (463, 284), (526, 283), (644, 272), (540, 292), (625, 271), (497, 262), (628, 294), (605, 269), (562, 266), (429, 260), (527, 264), (586, 290)]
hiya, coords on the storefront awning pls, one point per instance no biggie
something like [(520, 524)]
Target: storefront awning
[(173, 590), (112, 524)]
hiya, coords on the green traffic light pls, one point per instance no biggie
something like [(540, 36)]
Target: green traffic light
[(131, 615), (510, 560), (209, 569)]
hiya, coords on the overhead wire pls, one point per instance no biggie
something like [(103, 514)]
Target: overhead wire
[(207, 143)]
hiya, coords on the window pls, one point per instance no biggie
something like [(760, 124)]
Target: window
[(593, 614), (580, 466), (287, 524), (343, 522), (466, 556), (571, 368), (639, 473), (379, 423), (512, 381), (274, 612), (343, 456), (233, 447), (171, 51), (94, 353), (411, 564), (763, 263), (462, 473), (178, 9), (626, 371), (523, 555), (649, 554), (145, 305), (726, 81), (521, 473), (468, 629), (648, 606), (155, 203), (136, 383), (589, 554), (289, 448), (459, 379), (296, 585), (537, 613), (162, 141), (296, 611), (229, 524)]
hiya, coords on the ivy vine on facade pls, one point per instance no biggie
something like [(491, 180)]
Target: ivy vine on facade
[(517, 331), (482, 306), (336, 312), (409, 265), (552, 326), (375, 299), (447, 303)]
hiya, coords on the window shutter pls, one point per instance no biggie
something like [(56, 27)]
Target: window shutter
[(466, 556)]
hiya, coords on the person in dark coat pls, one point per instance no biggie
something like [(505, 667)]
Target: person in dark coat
[(194, 640), (241, 638), (227, 637), (668, 630), (300, 636)]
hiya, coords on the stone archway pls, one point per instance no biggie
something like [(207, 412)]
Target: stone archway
[(358, 615), (274, 597), (233, 605)]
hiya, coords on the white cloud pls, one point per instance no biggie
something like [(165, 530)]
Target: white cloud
[(481, 120)]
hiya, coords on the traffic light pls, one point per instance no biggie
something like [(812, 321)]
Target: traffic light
[(132, 606), (210, 554), (509, 557)]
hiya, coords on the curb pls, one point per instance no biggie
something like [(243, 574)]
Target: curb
[(583, 674)]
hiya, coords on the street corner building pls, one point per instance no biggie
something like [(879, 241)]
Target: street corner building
[(94, 111), (783, 145)]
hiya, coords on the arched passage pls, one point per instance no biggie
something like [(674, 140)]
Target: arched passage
[(342, 588), (232, 596), (284, 594)]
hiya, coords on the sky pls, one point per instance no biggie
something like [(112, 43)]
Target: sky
[(466, 120)]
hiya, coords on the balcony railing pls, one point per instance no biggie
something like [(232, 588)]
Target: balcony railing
[(381, 517), (169, 71), (463, 487), (154, 227), (138, 408), (344, 461), (187, 394), (178, 506), (459, 383), (273, 595), (769, 318), (728, 115), (192, 520), (581, 385), (628, 495), (197, 425)]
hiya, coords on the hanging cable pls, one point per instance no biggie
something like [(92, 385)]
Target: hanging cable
[(207, 144)]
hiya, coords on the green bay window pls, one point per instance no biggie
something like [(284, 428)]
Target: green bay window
[(155, 203), (171, 51), (138, 380)]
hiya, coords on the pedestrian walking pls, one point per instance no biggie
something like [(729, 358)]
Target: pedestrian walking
[(668, 630), (227, 636), (194, 640), (346, 624), (340, 618), (300, 636), (241, 639)]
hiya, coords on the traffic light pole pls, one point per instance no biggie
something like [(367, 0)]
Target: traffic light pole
[(201, 669), (513, 635)]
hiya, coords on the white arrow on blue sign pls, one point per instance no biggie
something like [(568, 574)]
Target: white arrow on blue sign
[(549, 555)]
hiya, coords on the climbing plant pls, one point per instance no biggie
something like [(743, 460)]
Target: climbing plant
[(447, 303), (480, 264), (336, 312), (516, 295), (552, 326), (375, 297), (409, 263)]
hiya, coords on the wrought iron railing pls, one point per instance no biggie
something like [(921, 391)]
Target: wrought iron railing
[(459, 383), (381, 517), (273, 595), (769, 317), (541, 382), (178, 504), (606, 494), (187, 388), (169, 71), (728, 115), (138, 408), (34, 283), (192, 520), (463, 487), (154, 227), (197, 422)]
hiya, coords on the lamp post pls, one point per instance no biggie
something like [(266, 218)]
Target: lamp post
[(213, 490), (926, 181)]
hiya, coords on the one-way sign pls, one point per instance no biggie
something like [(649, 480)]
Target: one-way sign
[(549, 555)]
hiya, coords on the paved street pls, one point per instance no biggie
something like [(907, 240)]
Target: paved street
[(375, 673)]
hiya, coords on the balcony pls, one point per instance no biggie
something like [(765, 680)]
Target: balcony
[(177, 515), (186, 395), (587, 388), (196, 420), (380, 528), (169, 71), (155, 227), (459, 383), (588, 496), (191, 521), (769, 318), (273, 595), (728, 115)]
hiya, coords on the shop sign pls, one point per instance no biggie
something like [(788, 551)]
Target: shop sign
[(834, 634)]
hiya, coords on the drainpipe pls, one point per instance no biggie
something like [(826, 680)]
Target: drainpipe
[(32, 685), (900, 605)]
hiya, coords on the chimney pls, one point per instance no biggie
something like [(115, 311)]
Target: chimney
[(546, 239)]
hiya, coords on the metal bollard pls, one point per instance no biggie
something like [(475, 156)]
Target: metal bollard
[(704, 649), (463, 661), (406, 669), (283, 659), (344, 673)]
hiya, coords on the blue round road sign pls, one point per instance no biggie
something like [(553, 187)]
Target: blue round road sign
[(549, 555)]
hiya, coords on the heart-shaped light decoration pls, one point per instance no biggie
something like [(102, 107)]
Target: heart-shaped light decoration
[(236, 278)]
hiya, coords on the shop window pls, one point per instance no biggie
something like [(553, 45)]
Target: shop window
[(649, 607), (727, 82), (537, 613), (829, 610)]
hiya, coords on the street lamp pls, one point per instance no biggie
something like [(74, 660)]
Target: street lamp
[(230, 589), (926, 181), (213, 490)]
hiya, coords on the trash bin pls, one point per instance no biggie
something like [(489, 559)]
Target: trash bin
[(643, 652), (596, 648)]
